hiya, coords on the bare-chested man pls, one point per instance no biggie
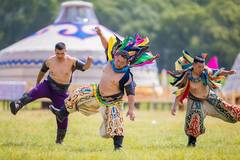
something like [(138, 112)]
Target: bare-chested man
[(60, 66), (197, 82), (116, 78)]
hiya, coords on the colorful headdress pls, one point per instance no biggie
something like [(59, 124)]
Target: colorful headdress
[(200, 58), (135, 49), (183, 67), (184, 62), (187, 60)]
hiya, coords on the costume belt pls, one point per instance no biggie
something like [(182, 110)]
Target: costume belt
[(57, 86), (108, 100), (194, 98)]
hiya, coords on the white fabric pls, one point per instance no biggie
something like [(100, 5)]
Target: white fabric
[(11, 90), (232, 82)]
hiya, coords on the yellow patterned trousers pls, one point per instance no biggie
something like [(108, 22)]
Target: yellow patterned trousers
[(85, 100)]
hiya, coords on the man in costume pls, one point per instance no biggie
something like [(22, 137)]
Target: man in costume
[(116, 78), (60, 66), (197, 82)]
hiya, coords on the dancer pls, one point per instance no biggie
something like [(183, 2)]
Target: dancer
[(116, 78), (60, 66), (197, 82)]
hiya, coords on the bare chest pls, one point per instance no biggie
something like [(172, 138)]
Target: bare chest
[(198, 89), (110, 77), (60, 68)]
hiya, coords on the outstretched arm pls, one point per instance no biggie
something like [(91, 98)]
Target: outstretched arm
[(102, 37), (226, 73)]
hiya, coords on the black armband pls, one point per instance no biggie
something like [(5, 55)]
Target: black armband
[(79, 65), (106, 53), (44, 67), (130, 88)]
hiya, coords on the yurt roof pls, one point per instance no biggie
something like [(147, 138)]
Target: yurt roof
[(76, 36), (77, 3)]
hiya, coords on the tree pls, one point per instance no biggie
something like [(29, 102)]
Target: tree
[(172, 25)]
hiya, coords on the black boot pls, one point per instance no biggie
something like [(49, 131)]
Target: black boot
[(191, 141), (60, 135), (15, 106), (117, 141), (61, 113)]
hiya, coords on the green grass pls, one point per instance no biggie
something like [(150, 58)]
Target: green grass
[(31, 135)]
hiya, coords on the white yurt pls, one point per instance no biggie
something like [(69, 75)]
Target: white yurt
[(231, 88), (74, 26)]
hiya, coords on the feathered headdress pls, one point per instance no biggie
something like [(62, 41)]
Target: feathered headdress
[(184, 64), (186, 60), (135, 49)]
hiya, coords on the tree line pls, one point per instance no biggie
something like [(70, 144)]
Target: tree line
[(209, 26)]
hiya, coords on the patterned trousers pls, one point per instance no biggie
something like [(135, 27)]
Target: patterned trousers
[(213, 106), (85, 100)]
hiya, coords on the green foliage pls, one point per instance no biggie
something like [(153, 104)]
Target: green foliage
[(20, 18), (172, 25)]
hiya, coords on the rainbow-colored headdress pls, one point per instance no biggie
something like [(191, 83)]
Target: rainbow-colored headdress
[(135, 49), (182, 74), (186, 61)]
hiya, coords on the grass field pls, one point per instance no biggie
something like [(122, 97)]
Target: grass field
[(31, 135)]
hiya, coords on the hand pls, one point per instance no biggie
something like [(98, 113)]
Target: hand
[(232, 72), (157, 55), (131, 115), (89, 59), (174, 107), (98, 30), (88, 63), (173, 110)]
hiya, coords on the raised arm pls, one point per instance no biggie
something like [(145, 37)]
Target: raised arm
[(80, 65), (42, 72), (102, 37), (88, 64)]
